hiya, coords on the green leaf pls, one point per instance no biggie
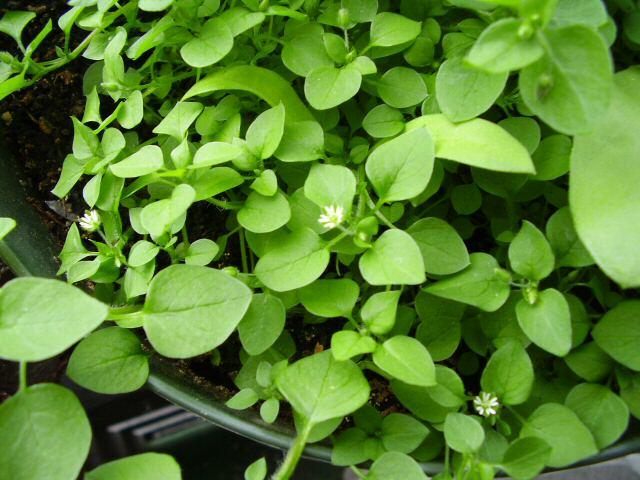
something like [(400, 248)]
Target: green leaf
[(179, 119), (547, 322), (570, 440), (328, 87), (158, 466), (463, 433), (509, 374), (591, 13), (305, 52), (212, 182), (361, 11), (320, 388), (6, 226), (14, 22), (265, 132), (215, 153), (407, 360), (440, 330), (402, 433), (262, 324), (201, 252), (551, 158), (350, 447), (442, 248), (239, 19), (131, 113), (570, 87), (40, 318), (476, 142), (432, 403), (264, 83), (331, 185), (389, 29), (242, 400), (500, 48), (299, 260), (395, 465), (330, 298), (109, 361), (257, 470), (266, 183), (379, 311), (262, 214), (466, 199), (146, 160), (347, 344), (603, 412), (590, 362), (400, 169), (629, 384), (154, 5), (394, 258), (524, 129), (85, 142), (602, 185), (211, 44), (72, 170), (530, 254), (401, 87), (481, 284), (158, 217), (618, 333), (525, 458), (301, 142), (383, 121), (567, 247), (49, 416), (464, 92), (190, 310)]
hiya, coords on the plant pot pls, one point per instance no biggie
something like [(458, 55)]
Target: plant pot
[(29, 250)]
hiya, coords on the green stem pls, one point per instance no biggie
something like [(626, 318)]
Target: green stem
[(243, 251), (109, 120), (224, 204), (357, 471), (293, 455), (23, 376), (336, 239), (516, 414)]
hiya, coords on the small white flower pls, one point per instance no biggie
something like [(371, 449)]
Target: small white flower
[(332, 216), (90, 221), (486, 404)]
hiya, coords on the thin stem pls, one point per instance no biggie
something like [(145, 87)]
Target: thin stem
[(336, 239), (384, 219), (516, 414), (109, 120), (357, 471), (243, 251), (224, 204), (23, 376), (293, 455)]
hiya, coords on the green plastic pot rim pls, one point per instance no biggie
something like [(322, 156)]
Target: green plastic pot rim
[(192, 397), (29, 253)]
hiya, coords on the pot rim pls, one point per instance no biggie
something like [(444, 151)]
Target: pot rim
[(29, 251)]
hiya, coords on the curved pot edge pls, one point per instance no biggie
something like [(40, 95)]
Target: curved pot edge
[(29, 251)]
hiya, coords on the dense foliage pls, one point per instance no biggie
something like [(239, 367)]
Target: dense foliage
[(455, 181)]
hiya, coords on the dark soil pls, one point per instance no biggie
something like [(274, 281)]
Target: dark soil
[(35, 122)]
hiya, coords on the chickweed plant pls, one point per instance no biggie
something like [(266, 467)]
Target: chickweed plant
[(451, 187)]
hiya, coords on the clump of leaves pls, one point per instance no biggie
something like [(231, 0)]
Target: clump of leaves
[(454, 180)]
